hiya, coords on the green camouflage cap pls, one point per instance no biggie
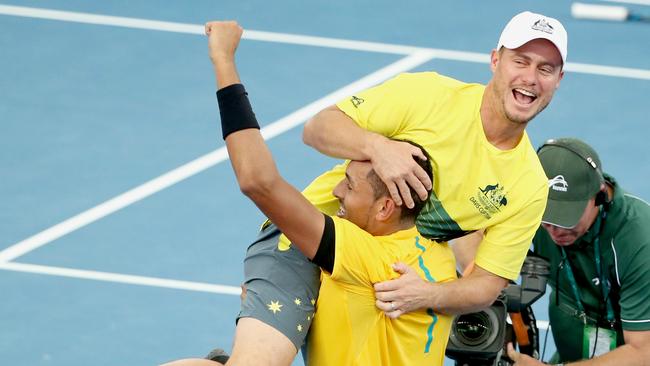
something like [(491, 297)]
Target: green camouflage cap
[(574, 177)]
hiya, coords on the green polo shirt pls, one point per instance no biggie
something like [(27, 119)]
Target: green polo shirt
[(625, 256)]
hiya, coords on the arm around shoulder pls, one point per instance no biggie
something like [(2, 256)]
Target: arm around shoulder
[(334, 133), (409, 292)]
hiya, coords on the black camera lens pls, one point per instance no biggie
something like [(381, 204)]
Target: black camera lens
[(476, 329), (473, 329)]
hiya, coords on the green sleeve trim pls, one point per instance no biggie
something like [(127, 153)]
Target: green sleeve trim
[(635, 324)]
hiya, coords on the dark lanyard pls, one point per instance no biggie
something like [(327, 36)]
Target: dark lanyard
[(604, 287)]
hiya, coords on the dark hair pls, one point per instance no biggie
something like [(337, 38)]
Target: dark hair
[(381, 190)]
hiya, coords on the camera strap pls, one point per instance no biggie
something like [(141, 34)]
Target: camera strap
[(604, 283)]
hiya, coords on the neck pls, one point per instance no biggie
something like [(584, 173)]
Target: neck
[(610, 191), (593, 217), (393, 225), (500, 131)]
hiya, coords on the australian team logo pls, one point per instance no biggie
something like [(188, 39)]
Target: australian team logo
[(490, 199), (542, 26), (495, 194), (558, 184), (356, 101)]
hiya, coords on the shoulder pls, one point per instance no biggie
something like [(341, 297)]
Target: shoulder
[(348, 232), (438, 261), (629, 215), (629, 218), (529, 153), (432, 81), (531, 175), (630, 223), (636, 208)]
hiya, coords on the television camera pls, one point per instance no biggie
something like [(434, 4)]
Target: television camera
[(480, 338)]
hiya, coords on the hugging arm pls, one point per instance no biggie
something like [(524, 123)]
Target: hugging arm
[(334, 133), (410, 292)]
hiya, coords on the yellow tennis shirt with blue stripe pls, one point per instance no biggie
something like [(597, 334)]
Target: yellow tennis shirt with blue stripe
[(348, 329), (476, 185)]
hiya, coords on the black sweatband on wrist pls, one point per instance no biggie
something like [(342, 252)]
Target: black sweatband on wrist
[(235, 109)]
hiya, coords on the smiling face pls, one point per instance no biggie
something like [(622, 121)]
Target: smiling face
[(356, 195), (525, 79)]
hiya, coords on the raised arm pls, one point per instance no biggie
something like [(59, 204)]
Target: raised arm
[(334, 133), (257, 175)]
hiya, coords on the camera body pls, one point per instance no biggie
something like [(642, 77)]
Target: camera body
[(479, 339)]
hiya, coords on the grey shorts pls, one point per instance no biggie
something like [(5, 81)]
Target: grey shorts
[(281, 286)]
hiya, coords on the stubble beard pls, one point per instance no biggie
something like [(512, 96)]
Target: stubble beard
[(518, 119)]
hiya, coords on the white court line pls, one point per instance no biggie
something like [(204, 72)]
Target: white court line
[(607, 71), (121, 278), (300, 39), (206, 161), (139, 280), (636, 2), (199, 29)]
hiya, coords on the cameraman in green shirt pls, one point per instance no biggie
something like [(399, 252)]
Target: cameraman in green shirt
[(597, 238)]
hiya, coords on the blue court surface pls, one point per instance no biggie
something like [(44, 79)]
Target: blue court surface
[(122, 230)]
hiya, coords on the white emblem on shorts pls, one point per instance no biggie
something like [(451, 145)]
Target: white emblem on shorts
[(558, 184)]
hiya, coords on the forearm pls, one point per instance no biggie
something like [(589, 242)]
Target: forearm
[(462, 296), (251, 159), (225, 72), (333, 133), (626, 355)]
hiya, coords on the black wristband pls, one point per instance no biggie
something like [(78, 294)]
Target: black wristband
[(235, 109)]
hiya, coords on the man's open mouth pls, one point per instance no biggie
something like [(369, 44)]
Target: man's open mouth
[(523, 96)]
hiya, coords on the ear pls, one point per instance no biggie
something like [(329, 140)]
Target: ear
[(560, 79), (494, 59), (386, 207)]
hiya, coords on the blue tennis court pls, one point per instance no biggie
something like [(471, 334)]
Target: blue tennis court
[(122, 229)]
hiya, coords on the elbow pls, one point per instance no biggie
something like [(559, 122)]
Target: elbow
[(488, 300), (309, 135), (312, 134), (494, 294), (491, 292), (255, 185)]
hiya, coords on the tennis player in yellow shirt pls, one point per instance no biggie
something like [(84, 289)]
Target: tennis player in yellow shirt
[(488, 180), (356, 248)]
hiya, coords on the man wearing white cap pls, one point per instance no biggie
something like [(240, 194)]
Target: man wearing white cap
[(597, 239), (488, 179)]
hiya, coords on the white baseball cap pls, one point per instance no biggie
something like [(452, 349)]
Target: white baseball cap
[(526, 26)]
